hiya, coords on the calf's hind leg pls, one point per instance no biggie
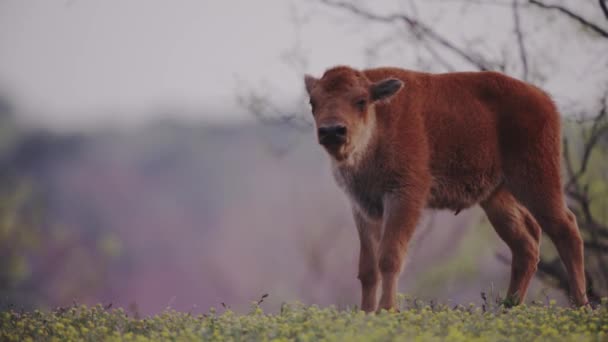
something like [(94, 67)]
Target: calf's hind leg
[(534, 179), (560, 225), (520, 231)]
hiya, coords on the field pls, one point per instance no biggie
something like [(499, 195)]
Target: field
[(297, 322)]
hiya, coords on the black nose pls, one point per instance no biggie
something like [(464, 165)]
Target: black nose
[(332, 134)]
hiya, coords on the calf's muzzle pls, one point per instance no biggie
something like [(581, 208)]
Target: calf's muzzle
[(332, 135)]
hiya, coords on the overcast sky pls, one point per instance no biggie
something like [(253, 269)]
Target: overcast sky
[(80, 61)]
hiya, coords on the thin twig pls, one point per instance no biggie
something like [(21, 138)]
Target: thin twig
[(520, 40), (481, 2), (573, 16), (579, 194), (428, 46), (604, 7), (598, 130), (416, 26)]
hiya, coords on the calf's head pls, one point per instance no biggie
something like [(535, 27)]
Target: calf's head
[(342, 103)]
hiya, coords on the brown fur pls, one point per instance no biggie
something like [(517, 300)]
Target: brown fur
[(446, 141)]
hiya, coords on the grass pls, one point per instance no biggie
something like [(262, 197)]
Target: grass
[(297, 322)]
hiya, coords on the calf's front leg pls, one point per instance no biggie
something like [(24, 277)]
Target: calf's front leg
[(401, 213), (369, 274)]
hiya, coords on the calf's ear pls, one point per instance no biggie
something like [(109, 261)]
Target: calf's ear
[(383, 90), (310, 82)]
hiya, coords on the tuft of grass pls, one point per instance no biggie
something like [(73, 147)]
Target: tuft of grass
[(298, 322)]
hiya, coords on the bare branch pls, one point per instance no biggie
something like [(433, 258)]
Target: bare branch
[(598, 129), (573, 16), (578, 192), (482, 2), (448, 67), (428, 46), (584, 212), (268, 113), (596, 245), (520, 40), (604, 7), (416, 26), (568, 160)]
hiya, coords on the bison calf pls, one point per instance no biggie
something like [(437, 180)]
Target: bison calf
[(400, 141)]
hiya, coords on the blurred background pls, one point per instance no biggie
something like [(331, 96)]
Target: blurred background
[(160, 154)]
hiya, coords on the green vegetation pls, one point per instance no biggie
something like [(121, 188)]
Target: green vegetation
[(311, 323)]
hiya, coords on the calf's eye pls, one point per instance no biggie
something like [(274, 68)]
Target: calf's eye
[(361, 104)]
